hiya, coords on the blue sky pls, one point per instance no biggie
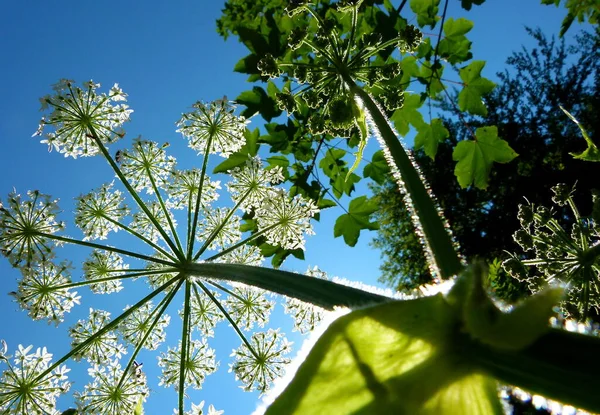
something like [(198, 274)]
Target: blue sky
[(166, 56)]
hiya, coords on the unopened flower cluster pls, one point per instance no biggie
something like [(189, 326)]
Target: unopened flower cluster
[(560, 255), (173, 214)]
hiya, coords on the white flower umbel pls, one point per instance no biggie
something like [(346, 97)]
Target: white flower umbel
[(137, 324), (146, 165), (253, 183), (98, 212), (75, 110), (111, 392), (23, 391), (199, 362), (101, 265), (39, 291), (222, 224), (102, 348), (257, 371), (285, 221), (184, 186), (248, 305), (216, 124), (21, 224)]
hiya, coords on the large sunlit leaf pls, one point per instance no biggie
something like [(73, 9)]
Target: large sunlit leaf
[(455, 47), (469, 98), (475, 157), (389, 359)]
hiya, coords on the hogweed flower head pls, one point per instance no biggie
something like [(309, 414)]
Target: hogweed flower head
[(99, 212), (101, 266), (564, 256), (103, 348), (199, 362), (39, 291), (23, 224), (215, 125), (75, 111), (257, 368), (23, 391), (112, 392)]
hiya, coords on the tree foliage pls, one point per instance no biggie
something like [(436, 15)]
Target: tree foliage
[(525, 107)]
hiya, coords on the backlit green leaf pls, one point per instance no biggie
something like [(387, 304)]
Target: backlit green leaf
[(350, 224), (409, 114), (377, 169), (426, 11), (475, 157), (430, 135), (469, 98)]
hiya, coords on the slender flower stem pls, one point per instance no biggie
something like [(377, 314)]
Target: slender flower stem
[(142, 237), (108, 327), (435, 233), (164, 209), (218, 229), (225, 290), (185, 339), (227, 316), (142, 273), (132, 192), (159, 310), (104, 248), (192, 227)]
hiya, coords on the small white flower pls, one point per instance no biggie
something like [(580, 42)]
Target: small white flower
[(103, 347), (200, 361), (103, 264), (248, 305), (138, 323), (146, 165), (97, 212)]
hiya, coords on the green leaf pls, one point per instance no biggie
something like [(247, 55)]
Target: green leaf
[(475, 157), (139, 408), (455, 47), (257, 100), (591, 153), (239, 158), (430, 135), (70, 411), (469, 98), (389, 359), (247, 64), (408, 114), (350, 224), (426, 11), (360, 120), (466, 4), (431, 75), (377, 169)]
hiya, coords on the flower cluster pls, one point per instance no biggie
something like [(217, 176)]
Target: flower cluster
[(158, 253), (112, 390), (30, 385), (306, 316), (83, 118), (561, 256)]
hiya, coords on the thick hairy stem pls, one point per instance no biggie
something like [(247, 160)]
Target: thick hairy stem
[(560, 365), (322, 293), (434, 231)]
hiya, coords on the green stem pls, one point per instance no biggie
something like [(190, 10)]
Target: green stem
[(104, 248), (142, 273), (192, 226), (185, 338), (216, 231), (164, 209), (228, 317), (560, 365), (132, 192), (434, 231), (241, 243), (160, 309), (142, 237), (317, 291)]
